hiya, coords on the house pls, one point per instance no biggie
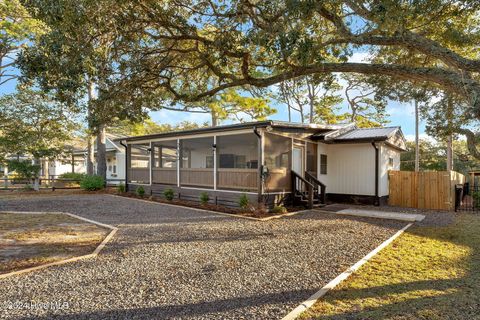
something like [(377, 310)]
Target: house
[(77, 162), (269, 161)]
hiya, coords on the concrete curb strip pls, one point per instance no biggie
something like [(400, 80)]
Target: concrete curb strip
[(305, 305), (56, 263), (232, 215)]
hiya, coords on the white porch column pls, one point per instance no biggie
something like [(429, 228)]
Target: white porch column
[(215, 163), (178, 162), (151, 162)]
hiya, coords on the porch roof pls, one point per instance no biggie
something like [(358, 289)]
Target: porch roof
[(239, 126)]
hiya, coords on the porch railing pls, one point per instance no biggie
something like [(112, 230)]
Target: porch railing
[(302, 190), (319, 188)]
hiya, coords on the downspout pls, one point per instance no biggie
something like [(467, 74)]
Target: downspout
[(377, 200), (126, 164)]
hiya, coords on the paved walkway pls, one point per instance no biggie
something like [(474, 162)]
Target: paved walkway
[(410, 217), (168, 262)]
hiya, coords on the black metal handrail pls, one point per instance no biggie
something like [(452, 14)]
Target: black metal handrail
[(303, 183), (312, 179)]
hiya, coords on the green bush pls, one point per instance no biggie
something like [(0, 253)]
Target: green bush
[(121, 187), (169, 194), (279, 209), (476, 199), (73, 176), (24, 169), (140, 191), (243, 201), (204, 198), (92, 183)]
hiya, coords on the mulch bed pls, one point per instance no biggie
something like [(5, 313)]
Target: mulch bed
[(254, 213)]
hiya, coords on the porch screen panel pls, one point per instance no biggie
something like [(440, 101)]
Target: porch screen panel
[(165, 162), (139, 170), (196, 162), (237, 162), (278, 160), (312, 158)]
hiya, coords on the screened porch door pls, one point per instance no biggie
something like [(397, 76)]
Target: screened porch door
[(298, 160)]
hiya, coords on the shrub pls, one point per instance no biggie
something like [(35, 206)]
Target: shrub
[(121, 187), (24, 169), (73, 176), (243, 201), (476, 199), (92, 183), (168, 194), (140, 191), (279, 209), (204, 198)]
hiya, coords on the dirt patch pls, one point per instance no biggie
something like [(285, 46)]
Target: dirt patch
[(28, 240)]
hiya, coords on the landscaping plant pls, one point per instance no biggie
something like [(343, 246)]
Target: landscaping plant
[(243, 201), (121, 187), (476, 199), (140, 191), (72, 176), (204, 198), (169, 194), (279, 209), (92, 183)]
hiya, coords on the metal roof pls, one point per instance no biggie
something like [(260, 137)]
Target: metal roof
[(368, 133)]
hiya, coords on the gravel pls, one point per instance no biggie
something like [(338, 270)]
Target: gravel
[(169, 262)]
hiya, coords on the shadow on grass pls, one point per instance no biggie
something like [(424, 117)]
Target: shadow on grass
[(455, 297)]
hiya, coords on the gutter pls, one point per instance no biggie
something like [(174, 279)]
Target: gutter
[(126, 164), (377, 200)]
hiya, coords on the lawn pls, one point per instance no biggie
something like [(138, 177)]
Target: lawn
[(28, 240), (427, 273)]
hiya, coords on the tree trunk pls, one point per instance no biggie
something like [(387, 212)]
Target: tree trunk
[(289, 113), (101, 152), (417, 144), (90, 139), (36, 183), (449, 153), (311, 100), (214, 118)]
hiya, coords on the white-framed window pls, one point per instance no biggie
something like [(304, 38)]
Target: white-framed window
[(114, 168), (323, 164), (390, 162)]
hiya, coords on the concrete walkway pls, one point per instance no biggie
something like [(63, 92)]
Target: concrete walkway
[(410, 217)]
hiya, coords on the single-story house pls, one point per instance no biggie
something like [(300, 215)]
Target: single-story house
[(271, 162), (77, 161)]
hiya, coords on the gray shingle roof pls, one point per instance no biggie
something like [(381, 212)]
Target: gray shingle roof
[(368, 133)]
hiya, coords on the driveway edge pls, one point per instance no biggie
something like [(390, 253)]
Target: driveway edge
[(60, 262), (305, 305)]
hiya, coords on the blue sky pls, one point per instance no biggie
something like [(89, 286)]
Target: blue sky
[(400, 114)]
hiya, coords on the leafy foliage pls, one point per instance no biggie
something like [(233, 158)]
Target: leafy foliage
[(204, 198), (24, 169), (92, 183), (76, 176), (243, 201), (279, 209), (140, 191), (169, 194), (44, 126), (121, 187)]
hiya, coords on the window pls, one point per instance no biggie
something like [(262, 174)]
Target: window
[(390, 162), (114, 169), (323, 164), (237, 151), (277, 151), (110, 168), (165, 154), (312, 159)]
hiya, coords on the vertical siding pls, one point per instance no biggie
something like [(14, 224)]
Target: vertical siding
[(351, 169)]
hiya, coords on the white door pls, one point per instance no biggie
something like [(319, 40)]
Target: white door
[(297, 160)]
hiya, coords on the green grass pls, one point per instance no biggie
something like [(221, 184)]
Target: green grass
[(427, 273)]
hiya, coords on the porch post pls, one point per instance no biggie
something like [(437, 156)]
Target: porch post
[(178, 162), (152, 155), (215, 163), (261, 162)]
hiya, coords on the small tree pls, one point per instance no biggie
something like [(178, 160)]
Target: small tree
[(24, 169)]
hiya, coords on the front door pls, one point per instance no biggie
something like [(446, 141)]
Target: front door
[(297, 160)]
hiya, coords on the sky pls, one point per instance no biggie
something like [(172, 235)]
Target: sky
[(400, 114)]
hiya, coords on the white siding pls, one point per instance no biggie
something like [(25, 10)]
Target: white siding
[(387, 152), (350, 168)]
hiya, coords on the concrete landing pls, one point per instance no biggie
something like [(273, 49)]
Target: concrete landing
[(410, 217)]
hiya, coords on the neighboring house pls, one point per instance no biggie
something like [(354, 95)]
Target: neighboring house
[(115, 154), (269, 161)]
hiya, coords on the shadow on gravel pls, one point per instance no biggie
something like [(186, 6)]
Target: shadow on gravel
[(193, 310)]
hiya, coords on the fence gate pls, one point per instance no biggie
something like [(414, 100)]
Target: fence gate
[(467, 198)]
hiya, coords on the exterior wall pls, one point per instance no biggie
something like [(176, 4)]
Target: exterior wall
[(387, 152), (57, 167), (117, 159), (351, 169)]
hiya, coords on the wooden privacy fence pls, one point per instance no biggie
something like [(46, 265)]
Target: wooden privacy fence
[(425, 190)]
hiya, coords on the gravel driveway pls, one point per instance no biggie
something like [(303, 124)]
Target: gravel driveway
[(168, 262)]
